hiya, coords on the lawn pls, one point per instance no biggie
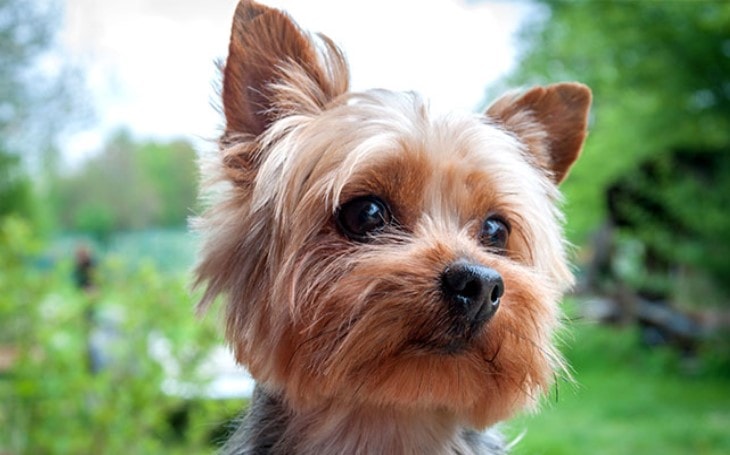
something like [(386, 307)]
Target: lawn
[(628, 400)]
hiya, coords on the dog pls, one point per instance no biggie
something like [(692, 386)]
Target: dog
[(390, 276)]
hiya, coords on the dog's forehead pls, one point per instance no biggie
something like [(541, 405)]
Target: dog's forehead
[(389, 144), (392, 140)]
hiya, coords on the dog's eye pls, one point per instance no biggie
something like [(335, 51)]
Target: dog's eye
[(362, 217), (495, 232)]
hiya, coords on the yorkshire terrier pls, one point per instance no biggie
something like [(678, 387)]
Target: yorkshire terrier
[(390, 276)]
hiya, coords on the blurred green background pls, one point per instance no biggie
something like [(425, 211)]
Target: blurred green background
[(118, 364)]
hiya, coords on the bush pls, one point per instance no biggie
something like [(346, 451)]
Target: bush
[(81, 374)]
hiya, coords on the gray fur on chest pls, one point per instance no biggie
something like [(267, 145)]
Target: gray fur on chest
[(263, 431)]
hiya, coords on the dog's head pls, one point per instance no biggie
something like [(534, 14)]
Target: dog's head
[(374, 254)]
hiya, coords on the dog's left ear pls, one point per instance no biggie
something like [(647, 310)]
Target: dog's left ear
[(551, 121)]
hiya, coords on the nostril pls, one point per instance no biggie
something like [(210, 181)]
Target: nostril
[(497, 291)]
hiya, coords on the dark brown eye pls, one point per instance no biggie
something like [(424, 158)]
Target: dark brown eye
[(495, 232), (362, 217)]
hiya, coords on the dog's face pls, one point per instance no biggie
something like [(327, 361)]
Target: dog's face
[(373, 254)]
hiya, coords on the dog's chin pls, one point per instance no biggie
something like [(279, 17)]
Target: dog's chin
[(465, 381), (459, 345)]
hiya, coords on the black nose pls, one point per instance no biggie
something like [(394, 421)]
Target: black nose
[(472, 289)]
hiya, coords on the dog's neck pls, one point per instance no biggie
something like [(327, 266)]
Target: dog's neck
[(333, 429), (271, 428)]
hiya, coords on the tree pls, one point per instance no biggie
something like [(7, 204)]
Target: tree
[(129, 185), (34, 99), (15, 188), (172, 169), (660, 73)]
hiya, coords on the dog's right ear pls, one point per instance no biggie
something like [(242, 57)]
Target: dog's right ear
[(274, 69)]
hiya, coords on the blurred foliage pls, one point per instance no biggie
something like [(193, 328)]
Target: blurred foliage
[(660, 75), (116, 368), (129, 185), (20, 45), (26, 32), (53, 401), (37, 102), (676, 206), (16, 192)]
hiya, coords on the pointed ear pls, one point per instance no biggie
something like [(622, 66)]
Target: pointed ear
[(273, 68), (552, 121)]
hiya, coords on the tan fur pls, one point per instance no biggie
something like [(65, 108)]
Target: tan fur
[(345, 332)]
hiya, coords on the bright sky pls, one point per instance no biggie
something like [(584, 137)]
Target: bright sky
[(149, 63)]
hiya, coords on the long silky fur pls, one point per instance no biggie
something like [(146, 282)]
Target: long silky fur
[(346, 339)]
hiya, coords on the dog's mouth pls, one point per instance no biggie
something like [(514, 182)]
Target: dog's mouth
[(451, 336), (453, 347)]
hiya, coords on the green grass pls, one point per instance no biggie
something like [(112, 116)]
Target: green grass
[(628, 400)]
